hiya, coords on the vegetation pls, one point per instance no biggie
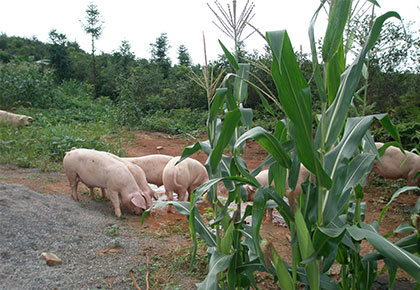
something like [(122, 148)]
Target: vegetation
[(326, 220), (318, 111)]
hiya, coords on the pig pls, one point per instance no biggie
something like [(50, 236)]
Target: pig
[(185, 176), (15, 120), (99, 169), (390, 165), (262, 178), (140, 178), (152, 166)]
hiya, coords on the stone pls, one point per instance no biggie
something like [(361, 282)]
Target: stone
[(52, 260)]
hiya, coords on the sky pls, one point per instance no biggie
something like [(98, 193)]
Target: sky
[(141, 22)]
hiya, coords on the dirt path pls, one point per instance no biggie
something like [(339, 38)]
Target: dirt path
[(172, 228)]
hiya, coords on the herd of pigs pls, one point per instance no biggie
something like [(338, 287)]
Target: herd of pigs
[(127, 181)]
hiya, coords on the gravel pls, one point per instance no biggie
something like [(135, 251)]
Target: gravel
[(78, 233)]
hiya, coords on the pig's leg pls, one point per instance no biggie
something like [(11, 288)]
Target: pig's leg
[(181, 196), (74, 181), (269, 214), (103, 192), (115, 200), (170, 196), (92, 193)]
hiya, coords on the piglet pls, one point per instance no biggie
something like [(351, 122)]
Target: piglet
[(99, 169), (185, 176), (14, 120)]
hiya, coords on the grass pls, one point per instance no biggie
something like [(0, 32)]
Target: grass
[(112, 232), (44, 143)]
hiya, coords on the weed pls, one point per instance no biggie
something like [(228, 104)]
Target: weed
[(112, 231)]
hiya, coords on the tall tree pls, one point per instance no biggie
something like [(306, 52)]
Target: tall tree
[(184, 56), (59, 56), (160, 50), (93, 26)]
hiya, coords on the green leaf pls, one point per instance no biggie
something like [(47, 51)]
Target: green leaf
[(247, 116), (230, 57), (271, 256), (404, 229), (295, 98), (405, 260), (184, 208), (315, 65), (266, 104), (394, 196), (241, 86), (260, 199), (218, 263), (226, 243), (190, 150), (336, 23), (307, 250), (337, 112), (358, 167), (335, 68), (216, 104), (228, 128), (268, 142)]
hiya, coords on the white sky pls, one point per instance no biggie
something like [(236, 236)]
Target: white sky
[(140, 22)]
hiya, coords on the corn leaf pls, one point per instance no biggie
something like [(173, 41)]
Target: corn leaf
[(268, 142), (336, 23), (405, 260), (240, 85), (295, 98), (228, 128), (336, 113), (307, 251), (218, 263)]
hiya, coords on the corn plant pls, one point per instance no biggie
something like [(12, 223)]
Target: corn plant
[(326, 220)]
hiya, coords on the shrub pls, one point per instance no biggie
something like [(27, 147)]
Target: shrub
[(44, 146), (26, 84), (176, 121)]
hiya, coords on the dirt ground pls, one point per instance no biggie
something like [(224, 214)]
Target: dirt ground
[(173, 227)]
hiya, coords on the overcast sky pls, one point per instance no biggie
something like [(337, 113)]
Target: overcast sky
[(140, 22)]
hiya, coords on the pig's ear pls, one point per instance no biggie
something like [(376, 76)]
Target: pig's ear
[(138, 201), (148, 199)]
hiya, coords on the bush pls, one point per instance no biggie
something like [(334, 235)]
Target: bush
[(26, 84), (176, 121), (44, 146), (409, 134)]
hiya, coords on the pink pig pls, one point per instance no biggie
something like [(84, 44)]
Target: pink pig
[(99, 169), (262, 178), (152, 166), (14, 120), (392, 167), (185, 176)]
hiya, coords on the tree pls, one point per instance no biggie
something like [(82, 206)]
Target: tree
[(59, 56), (160, 56), (184, 56), (93, 26)]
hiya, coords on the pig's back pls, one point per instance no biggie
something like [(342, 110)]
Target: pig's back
[(93, 168)]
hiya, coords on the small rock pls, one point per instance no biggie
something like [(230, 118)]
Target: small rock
[(159, 147), (52, 260)]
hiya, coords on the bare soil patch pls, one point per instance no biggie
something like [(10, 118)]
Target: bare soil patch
[(168, 240)]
